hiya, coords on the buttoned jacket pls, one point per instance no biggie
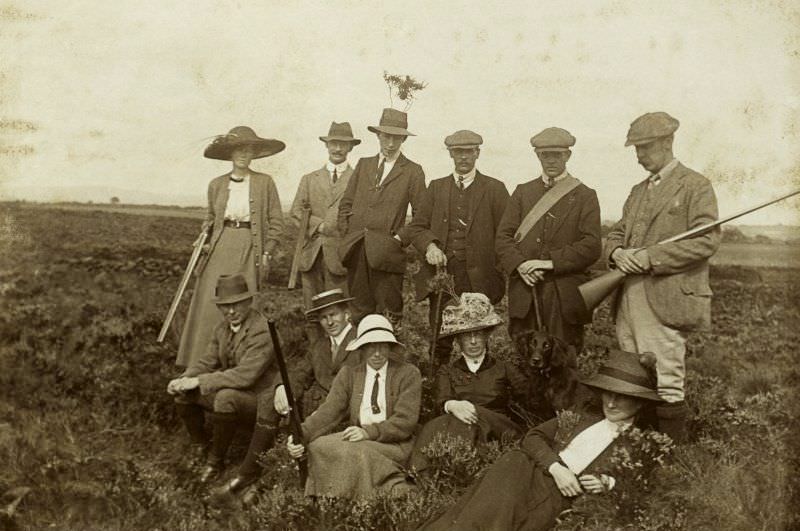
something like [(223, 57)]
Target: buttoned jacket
[(375, 213), (431, 224), (319, 366), (322, 195), (677, 286)]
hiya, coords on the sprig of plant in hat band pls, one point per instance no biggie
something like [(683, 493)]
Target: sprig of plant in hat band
[(404, 86)]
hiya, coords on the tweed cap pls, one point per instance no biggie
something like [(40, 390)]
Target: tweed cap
[(649, 127), (553, 139), (627, 374), (473, 312), (463, 139)]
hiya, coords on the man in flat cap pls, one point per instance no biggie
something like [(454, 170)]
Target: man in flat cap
[(318, 197), (371, 213), (547, 239), (454, 228), (666, 293)]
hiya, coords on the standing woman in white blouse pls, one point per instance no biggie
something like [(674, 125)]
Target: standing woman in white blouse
[(245, 223)]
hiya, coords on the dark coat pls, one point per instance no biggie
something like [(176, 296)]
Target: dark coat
[(266, 216), (569, 235), (431, 224), (495, 384), (375, 214), (677, 288)]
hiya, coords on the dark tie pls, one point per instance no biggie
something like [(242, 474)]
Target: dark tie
[(548, 183), (335, 176), (379, 175), (460, 182), (654, 179), (374, 397)]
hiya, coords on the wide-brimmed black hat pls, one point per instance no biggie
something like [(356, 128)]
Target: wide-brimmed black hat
[(222, 146), (624, 373), (341, 132), (231, 288), (327, 298)]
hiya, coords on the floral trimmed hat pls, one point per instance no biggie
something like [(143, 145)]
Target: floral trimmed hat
[(473, 312)]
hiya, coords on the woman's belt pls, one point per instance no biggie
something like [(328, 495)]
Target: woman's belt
[(236, 224)]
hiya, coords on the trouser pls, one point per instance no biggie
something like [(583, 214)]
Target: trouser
[(551, 317), (461, 283), (374, 291), (316, 280)]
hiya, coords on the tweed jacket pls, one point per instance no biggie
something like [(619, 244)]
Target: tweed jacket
[(403, 397), (323, 196), (495, 384), (677, 286), (375, 214), (318, 367), (266, 215), (243, 360), (430, 224), (568, 234)]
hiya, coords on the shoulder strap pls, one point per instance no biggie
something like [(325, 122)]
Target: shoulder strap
[(561, 188)]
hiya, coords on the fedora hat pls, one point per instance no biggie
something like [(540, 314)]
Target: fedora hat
[(341, 132), (222, 147), (473, 312), (373, 328), (393, 122), (628, 374), (327, 298), (231, 288)]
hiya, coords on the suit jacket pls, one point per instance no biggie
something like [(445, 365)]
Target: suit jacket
[(569, 235), (403, 397), (375, 214), (677, 286), (318, 367), (323, 197), (266, 215), (243, 360), (430, 224)]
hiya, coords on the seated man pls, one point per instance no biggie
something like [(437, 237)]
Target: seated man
[(310, 380), (226, 381), (381, 398)]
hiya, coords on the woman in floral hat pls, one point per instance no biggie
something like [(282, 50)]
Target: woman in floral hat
[(527, 488), (474, 392)]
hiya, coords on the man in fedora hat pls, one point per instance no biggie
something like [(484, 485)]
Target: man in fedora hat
[(380, 399), (454, 228), (547, 239), (225, 383), (320, 192), (371, 215), (666, 293)]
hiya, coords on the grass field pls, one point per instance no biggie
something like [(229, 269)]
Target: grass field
[(89, 439)]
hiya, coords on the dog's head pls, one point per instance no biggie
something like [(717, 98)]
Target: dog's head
[(541, 350)]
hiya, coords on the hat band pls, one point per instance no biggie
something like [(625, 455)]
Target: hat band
[(625, 376), (376, 328), (392, 123)]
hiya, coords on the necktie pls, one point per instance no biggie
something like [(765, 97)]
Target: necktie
[(460, 182), (333, 350), (373, 400), (379, 176), (654, 179), (335, 176), (548, 183)]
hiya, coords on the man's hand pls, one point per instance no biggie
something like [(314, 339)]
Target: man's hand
[(280, 401), (354, 434), (631, 261), (592, 484), (187, 384), (296, 451), (463, 410), (532, 271), (396, 237), (205, 248), (434, 256), (172, 386), (565, 480)]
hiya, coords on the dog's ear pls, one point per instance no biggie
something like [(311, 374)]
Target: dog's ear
[(563, 354), (520, 342)]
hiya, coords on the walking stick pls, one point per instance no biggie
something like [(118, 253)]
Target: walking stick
[(535, 292), (437, 318), (298, 248)]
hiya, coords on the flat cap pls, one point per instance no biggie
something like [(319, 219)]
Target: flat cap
[(463, 139), (649, 127), (553, 139)]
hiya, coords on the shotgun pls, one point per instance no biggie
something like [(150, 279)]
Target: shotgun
[(301, 240), (198, 247), (294, 415), (597, 289)]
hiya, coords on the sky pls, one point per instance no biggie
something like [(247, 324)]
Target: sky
[(101, 99)]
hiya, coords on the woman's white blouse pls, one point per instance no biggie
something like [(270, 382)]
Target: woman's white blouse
[(238, 207), (589, 444)]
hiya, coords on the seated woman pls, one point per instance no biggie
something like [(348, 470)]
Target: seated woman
[(381, 397), (475, 391), (526, 489)]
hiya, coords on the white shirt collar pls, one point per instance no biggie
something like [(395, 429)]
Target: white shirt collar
[(664, 172), (337, 340), (382, 158), (549, 182), (473, 364), (340, 168), (235, 328), (468, 177), (382, 371)]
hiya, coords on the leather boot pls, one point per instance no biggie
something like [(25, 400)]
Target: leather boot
[(194, 420), (250, 469), (672, 418), (224, 429)]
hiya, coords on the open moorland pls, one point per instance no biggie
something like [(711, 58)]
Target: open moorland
[(89, 439)]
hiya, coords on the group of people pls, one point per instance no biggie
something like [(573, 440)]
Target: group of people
[(353, 383)]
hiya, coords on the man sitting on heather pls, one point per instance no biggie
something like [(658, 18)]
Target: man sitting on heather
[(476, 390), (225, 382), (380, 397)]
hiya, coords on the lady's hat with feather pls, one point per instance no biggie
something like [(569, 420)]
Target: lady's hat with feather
[(222, 146)]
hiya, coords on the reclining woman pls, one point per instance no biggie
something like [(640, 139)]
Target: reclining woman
[(474, 391), (527, 488)]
